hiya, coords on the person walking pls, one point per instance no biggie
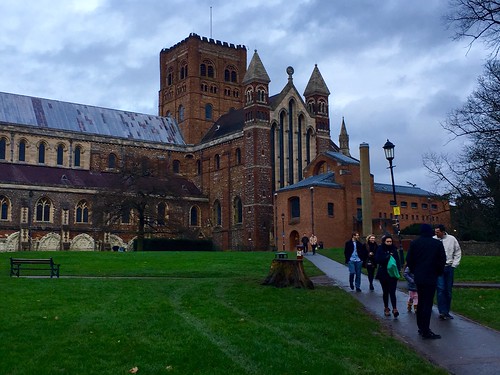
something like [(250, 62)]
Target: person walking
[(387, 282), (305, 241), (426, 259), (355, 254), (370, 264), (412, 290), (313, 240), (445, 281)]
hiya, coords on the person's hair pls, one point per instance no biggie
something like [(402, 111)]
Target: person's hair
[(354, 234), (441, 227), (386, 237), (370, 235)]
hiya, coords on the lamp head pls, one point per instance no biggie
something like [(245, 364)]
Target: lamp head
[(389, 150)]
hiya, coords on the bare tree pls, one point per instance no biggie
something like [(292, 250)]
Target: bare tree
[(476, 20)]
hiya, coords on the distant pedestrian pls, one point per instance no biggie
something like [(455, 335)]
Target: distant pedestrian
[(305, 241), (313, 240), (445, 281), (354, 254), (370, 263), (387, 282), (426, 260), (412, 290)]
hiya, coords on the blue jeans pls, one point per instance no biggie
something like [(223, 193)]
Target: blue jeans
[(355, 269), (444, 286)]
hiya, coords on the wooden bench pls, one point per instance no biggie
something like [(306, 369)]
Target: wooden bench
[(16, 264)]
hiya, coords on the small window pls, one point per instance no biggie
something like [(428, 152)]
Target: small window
[(238, 211), (77, 155), (181, 113), (434, 206), (3, 146), (295, 207), (60, 154), (217, 162), (414, 205), (359, 202), (425, 206), (22, 151), (176, 166), (330, 209), (194, 217), (404, 204), (4, 208), (217, 213), (198, 167), (111, 161), (41, 153), (161, 213), (208, 111), (238, 156)]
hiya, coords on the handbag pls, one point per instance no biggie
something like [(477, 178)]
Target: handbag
[(392, 268)]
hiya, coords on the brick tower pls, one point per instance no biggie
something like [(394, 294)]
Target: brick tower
[(257, 158), (200, 80)]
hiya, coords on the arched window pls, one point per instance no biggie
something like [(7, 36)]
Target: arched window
[(41, 153), (181, 113), (194, 217), (203, 70), (82, 212), (238, 211), (22, 150), (170, 76), (125, 219), (238, 156), (308, 145), (111, 161), (4, 208), (60, 154), (217, 162), (233, 76), (217, 214), (77, 154), (3, 146), (176, 166), (184, 70), (210, 71), (161, 213), (43, 210), (208, 111)]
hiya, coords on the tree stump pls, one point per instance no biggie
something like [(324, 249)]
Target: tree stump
[(288, 272)]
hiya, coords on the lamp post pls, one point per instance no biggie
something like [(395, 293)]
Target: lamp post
[(389, 155), (283, 232)]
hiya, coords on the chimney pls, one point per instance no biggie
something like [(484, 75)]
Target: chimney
[(366, 188)]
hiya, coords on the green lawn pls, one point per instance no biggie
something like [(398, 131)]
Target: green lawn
[(186, 313)]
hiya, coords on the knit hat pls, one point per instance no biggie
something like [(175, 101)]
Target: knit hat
[(426, 230)]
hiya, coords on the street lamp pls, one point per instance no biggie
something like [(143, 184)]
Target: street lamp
[(389, 155), (283, 232)]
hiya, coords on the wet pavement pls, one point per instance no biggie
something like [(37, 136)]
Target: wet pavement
[(466, 347)]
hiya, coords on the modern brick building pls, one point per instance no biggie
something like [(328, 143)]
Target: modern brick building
[(234, 158)]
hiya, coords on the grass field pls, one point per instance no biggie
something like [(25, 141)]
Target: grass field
[(187, 313)]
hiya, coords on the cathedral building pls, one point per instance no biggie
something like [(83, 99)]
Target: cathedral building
[(223, 160)]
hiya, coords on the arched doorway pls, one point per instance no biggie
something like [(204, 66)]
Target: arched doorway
[(293, 240)]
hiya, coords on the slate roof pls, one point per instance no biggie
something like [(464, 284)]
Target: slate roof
[(323, 180), (19, 174), (256, 71), (342, 158), (405, 190), (229, 123), (316, 84), (57, 115)]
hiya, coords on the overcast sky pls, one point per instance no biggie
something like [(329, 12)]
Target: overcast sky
[(391, 66)]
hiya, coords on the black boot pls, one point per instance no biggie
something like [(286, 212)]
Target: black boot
[(351, 281)]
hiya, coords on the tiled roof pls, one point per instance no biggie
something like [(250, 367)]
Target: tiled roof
[(18, 174), (342, 158), (323, 180), (56, 115)]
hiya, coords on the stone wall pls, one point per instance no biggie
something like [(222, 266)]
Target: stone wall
[(480, 248)]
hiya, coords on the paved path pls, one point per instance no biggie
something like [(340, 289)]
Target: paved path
[(466, 348)]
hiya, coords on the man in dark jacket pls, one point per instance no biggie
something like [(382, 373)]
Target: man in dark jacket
[(355, 254), (426, 260)]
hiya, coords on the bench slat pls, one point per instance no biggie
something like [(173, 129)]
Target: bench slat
[(16, 263)]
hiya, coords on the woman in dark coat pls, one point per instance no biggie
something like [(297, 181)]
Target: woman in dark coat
[(388, 283), (370, 263)]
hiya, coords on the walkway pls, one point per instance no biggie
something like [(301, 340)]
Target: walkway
[(466, 348)]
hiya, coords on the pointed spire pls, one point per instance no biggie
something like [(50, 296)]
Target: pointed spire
[(344, 139), (316, 84), (256, 71)]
